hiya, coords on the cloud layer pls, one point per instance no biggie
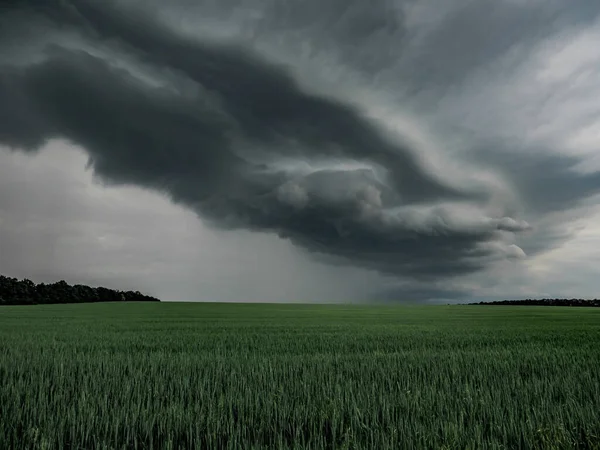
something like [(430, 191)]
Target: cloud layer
[(374, 135)]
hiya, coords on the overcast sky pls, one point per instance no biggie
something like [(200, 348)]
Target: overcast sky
[(305, 150)]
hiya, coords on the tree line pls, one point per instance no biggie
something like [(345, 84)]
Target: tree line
[(546, 302), (26, 292)]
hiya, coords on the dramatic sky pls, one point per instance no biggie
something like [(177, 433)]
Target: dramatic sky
[(302, 150)]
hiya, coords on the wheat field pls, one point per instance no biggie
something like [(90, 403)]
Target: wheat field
[(250, 376)]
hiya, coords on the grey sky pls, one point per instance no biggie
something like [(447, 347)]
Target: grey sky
[(301, 151)]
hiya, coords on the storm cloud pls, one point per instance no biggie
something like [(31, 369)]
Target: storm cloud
[(224, 123)]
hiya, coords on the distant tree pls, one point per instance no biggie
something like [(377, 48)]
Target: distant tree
[(26, 292), (546, 302)]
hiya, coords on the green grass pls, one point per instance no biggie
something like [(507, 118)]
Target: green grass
[(297, 376)]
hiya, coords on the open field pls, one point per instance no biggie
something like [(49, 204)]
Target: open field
[(160, 375)]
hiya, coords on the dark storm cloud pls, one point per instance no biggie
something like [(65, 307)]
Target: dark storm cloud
[(552, 189), (266, 105), (547, 182), (229, 133)]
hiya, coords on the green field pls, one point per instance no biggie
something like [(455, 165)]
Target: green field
[(297, 376)]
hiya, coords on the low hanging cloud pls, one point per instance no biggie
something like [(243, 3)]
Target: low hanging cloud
[(230, 130)]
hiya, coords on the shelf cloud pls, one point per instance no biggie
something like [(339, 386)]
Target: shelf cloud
[(419, 141)]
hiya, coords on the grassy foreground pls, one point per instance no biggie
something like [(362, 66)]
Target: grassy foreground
[(160, 375)]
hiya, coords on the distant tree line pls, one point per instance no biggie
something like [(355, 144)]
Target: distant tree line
[(546, 302), (26, 292)]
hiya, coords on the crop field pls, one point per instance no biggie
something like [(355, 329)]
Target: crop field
[(242, 376)]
